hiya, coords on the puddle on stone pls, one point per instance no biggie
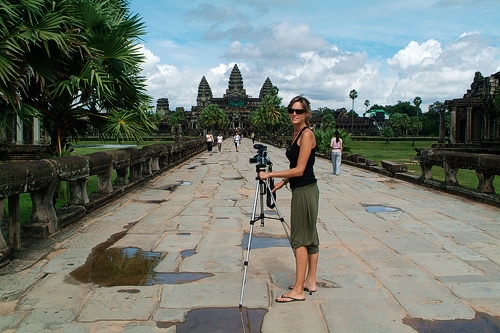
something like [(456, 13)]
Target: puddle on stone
[(185, 183), (192, 167), (482, 323), (381, 209), (130, 267), (259, 242), (157, 202), (188, 253), (175, 278), (170, 187), (118, 267), (231, 200), (220, 320), (183, 234)]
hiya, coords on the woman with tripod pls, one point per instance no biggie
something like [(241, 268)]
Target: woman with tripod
[(305, 199)]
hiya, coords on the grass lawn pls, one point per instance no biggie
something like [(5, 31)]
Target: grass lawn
[(402, 151)]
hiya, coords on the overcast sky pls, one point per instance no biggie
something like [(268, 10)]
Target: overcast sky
[(388, 50)]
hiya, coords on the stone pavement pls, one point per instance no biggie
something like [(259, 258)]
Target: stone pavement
[(390, 250)]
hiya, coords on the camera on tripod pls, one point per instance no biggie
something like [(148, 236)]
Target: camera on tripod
[(261, 159), (264, 164)]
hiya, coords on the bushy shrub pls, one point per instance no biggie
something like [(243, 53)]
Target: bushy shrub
[(324, 137)]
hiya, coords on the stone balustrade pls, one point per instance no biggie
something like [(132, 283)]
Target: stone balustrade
[(40, 179), (486, 165)]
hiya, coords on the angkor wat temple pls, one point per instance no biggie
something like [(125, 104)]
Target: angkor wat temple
[(235, 102), (475, 118)]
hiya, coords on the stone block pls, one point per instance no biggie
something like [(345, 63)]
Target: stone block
[(394, 166)]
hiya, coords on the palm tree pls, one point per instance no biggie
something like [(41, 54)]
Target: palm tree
[(417, 101), (270, 116), (213, 117), (29, 30), (175, 120), (328, 122), (367, 104), (75, 65), (353, 94)]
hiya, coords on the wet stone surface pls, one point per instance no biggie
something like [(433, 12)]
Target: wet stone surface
[(188, 253), (118, 267), (482, 323), (220, 320), (259, 242), (130, 267), (381, 209), (175, 278)]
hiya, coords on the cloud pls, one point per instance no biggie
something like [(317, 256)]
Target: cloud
[(437, 72), (300, 62)]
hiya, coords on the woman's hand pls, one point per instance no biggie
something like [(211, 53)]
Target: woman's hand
[(278, 186), (264, 175)]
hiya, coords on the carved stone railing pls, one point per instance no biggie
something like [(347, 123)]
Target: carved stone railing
[(486, 166), (40, 179)]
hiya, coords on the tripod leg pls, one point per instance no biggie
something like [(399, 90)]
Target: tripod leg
[(247, 256)]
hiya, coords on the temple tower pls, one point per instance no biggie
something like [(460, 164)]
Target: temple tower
[(266, 88), (235, 93), (162, 106), (204, 94)]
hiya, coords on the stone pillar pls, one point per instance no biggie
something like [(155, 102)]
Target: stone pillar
[(3, 243), (36, 131), (453, 125), (468, 129), (442, 127), (19, 131)]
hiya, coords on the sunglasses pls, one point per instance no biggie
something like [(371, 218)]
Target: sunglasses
[(297, 111)]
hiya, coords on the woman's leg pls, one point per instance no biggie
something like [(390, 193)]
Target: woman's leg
[(301, 262), (312, 268), (338, 160), (333, 161)]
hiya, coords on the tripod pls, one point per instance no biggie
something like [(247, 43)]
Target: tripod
[(260, 191)]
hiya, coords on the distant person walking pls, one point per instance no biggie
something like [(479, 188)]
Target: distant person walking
[(337, 147), (210, 141), (252, 136), (237, 139), (219, 141)]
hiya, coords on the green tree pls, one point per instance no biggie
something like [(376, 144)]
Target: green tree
[(414, 126), (328, 122), (417, 101), (367, 104), (353, 94), (212, 118), (399, 123), (28, 31), (122, 124), (387, 133), (324, 138), (270, 116), (322, 111), (401, 107), (175, 120), (78, 66), (430, 119)]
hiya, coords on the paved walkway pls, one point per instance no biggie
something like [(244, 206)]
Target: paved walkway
[(432, 256)]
